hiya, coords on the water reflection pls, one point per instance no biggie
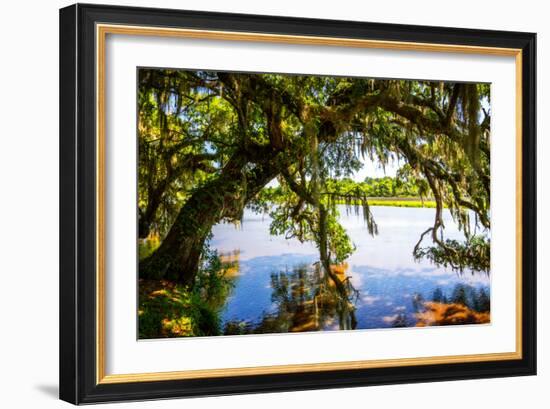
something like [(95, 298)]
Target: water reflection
[(303, 299), (465, 305), (279, 288)]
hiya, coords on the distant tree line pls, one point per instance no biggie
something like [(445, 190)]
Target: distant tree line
[(385, 186)]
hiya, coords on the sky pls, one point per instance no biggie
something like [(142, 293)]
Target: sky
[(374, 170), (369, 168)]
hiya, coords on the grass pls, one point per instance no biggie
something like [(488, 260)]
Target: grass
[(168, 310), (401, 202), (398, 202)]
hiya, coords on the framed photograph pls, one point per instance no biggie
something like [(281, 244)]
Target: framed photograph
[(257, 203)]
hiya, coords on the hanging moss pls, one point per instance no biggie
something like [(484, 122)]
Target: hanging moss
[(209, 142)]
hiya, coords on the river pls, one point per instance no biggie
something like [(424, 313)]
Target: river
[(275, 278)]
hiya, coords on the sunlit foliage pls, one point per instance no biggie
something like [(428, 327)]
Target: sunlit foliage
[(209, 143)]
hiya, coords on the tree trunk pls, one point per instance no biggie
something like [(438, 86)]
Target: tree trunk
[(178, 257), (146, 217)]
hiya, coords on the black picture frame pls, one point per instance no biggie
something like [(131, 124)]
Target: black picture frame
[(78, 198)]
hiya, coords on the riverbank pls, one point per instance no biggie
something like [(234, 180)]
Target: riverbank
[(400, 202)]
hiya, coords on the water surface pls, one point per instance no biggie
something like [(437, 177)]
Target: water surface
[(276, 278)]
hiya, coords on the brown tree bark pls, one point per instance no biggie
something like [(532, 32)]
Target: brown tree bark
[(157, 191), (147, 216)]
